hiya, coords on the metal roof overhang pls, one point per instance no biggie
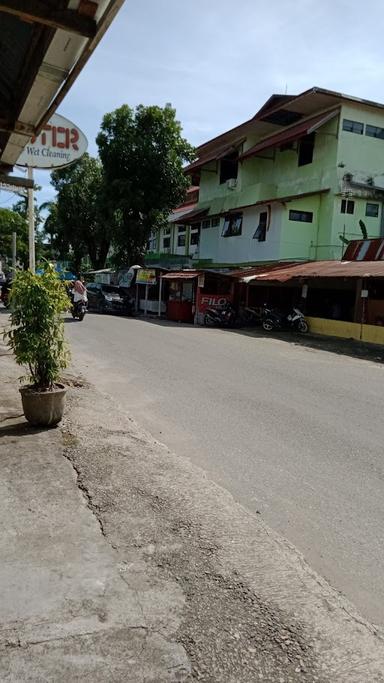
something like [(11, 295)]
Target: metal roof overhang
[(45, 45), (292, 133), (316, 269), (182, 275), (185, 218), (216, 155)]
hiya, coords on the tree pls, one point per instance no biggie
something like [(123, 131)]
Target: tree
[(75, 221), (143, 153), (11, 221)]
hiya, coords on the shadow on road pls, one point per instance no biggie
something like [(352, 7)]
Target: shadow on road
[(344, 347)]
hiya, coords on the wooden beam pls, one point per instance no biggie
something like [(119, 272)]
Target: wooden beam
[(15, 181), (16, 127), (41, 13)]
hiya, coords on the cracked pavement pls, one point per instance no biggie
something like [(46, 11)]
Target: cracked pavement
[(121, 561)]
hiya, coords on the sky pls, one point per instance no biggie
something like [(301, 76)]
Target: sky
[(218, 61)]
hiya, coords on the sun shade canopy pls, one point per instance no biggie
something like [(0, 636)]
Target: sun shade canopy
[(291, 134)]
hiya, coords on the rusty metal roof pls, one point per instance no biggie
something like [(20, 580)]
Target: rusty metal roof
[(312, 269)]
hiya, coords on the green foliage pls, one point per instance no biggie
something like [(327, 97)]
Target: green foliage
[(11, 221), (75, 222), (143, 153), (16, 220), (37, 327)]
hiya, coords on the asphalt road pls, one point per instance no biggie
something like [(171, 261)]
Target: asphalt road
[(293, 433)]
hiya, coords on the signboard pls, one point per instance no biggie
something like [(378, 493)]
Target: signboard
[(146, 277), (60, 143), (212, 301)]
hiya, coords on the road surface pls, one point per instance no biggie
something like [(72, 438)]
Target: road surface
[(295, 434)]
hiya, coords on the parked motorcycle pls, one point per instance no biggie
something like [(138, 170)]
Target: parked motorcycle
[(272, 319), (222, 316), (250, 316), (79, 310)]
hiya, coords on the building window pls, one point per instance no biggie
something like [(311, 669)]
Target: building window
[(347, 206), (152, 244), (372, 210), (301, 216), (215, 222), (181, 240), (195, 237), (374, 132), (166, 242), (166, 231), (306, 146), (181, 228), (261, 230), (232, 225), (229, 167), (353, 126), (206, 224)]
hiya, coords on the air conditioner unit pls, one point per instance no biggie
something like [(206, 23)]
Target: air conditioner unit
[(232, 183)]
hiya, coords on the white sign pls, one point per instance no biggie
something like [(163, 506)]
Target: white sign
[(60, 143)]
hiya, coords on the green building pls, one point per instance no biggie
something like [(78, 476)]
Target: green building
[(286, 185)]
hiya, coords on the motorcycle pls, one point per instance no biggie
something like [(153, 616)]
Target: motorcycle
[(79, 310), (223, 316), (250, 316), (272, 319)]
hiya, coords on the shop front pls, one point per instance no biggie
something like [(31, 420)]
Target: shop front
[(214, 290)]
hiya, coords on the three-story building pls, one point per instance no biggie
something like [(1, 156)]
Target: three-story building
[(292, 183)]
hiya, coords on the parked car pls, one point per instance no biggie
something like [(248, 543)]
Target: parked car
[(108, 299)]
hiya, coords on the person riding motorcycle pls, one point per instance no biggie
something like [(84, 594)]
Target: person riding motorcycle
[(79, 291)]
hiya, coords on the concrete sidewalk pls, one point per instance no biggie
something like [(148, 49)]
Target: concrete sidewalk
[(120, 561)]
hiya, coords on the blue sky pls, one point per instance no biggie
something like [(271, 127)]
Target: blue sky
[(217, 61)]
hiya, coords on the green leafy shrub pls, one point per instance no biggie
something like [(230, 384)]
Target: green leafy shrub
[(36, 335)]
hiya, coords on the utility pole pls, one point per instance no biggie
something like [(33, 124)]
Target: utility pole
[(31, 224), (14, 251)]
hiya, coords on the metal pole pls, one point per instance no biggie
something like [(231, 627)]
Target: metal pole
[(31, 224), (146, 299), (160, 294), (13, 250)]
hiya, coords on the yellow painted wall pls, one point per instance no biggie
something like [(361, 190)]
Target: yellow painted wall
[(373, 334)]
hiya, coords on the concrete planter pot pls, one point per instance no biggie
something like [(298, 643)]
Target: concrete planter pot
[(43, 408)]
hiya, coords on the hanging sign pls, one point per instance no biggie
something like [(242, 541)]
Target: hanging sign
[(146, 277), (60, 143)]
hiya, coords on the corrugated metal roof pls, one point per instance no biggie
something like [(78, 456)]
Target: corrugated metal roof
[(313, 269), (292, 133)]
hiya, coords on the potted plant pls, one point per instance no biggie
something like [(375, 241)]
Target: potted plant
[(36, 337)]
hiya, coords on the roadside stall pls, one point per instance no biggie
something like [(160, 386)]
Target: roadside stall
[(179, 290), (149, 291)]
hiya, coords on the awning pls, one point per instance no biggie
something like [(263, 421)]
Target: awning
[(215, 155), (182, 275), (186, 217), (314, 269), (293, 133)]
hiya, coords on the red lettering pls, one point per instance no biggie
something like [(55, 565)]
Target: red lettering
[(74, 138), (60, 131)]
